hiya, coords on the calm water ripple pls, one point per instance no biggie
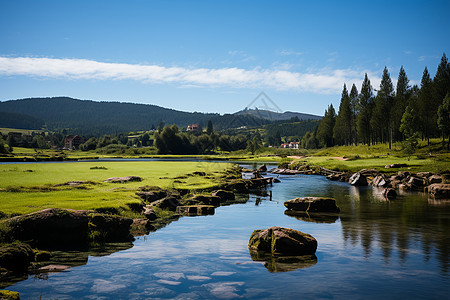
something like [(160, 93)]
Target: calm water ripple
[(375, 248)]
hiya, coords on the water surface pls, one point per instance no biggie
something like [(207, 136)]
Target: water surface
[(375, 248)]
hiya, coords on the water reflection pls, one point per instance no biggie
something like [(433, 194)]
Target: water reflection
[(392, 226), (313, 217), (275, 264)]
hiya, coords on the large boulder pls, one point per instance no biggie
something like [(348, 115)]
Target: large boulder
[(51, 226), (149, 213), (110, 228), (151, 196), (439, 190), (169, 203), (380, 181), (54, 227), (224, 195), (389, 193), (281, 241), (312, 204), (358, 179), (416, 183), (435, 179), (16, 257)]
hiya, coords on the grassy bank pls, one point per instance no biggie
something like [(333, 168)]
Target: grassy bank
[(431, 157), (25, 188)]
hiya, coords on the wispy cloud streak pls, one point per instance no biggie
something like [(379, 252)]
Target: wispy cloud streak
[(323, 81)]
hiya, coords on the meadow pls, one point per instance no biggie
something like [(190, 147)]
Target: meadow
[(25, 188)]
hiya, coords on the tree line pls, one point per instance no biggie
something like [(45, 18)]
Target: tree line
[(401, 114)]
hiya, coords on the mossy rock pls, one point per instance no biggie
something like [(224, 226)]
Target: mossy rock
[(41, 255), (50, 226), (9, 295), (108, 228), (281, 241), (16, 257)]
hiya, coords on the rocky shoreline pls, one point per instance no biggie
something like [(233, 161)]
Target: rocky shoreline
[(436, 185)]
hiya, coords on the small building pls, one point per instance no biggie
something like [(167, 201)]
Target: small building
[(73, 142), (194, 128), (291, 145)]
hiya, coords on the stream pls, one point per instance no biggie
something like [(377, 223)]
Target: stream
[(375, 248)]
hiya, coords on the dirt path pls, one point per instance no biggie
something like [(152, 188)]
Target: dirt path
[(340, 158)]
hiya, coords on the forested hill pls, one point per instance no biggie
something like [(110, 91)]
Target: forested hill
[(277, 116), (97, 118)]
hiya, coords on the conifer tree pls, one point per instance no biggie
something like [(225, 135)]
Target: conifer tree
[(365, 105), (426, 114), (444, 120), (441, 81), (402, 95), (325, 129), (354, 112), (381, 121), (342, 128)]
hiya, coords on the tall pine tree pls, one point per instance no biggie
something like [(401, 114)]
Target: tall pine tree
[(354, 111), (402, 95), (365, 106), (342, 129), (441, 82), (325, 129), (426, 114), (381, 121)]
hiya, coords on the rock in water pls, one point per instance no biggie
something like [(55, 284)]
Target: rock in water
[(312, 204), (358, 179), (380, 181), (439, 191), (389, 193), (281, 241)]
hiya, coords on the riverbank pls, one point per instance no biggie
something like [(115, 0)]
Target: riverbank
[(73, 206)]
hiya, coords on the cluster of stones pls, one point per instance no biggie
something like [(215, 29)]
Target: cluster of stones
[(403, 180)]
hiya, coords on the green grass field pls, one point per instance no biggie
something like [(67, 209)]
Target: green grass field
[(30, 187)]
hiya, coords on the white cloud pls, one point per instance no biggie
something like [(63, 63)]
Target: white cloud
[(321, 81), (290, 52)]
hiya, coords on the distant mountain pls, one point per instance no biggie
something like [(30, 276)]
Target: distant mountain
[(97, 118), (19, 121), (276, 116)]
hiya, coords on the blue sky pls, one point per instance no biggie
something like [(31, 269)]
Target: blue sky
[(214, 56)]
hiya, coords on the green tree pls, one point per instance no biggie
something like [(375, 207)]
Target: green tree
[(441, 82), (325, 129), (408, 127), (402, 95), (3, 147), (210, 128), (381, 121), (354, 112), (444, 120), (365, 106), (424, 106), (254, 144), (342, 131), (145, 139)]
